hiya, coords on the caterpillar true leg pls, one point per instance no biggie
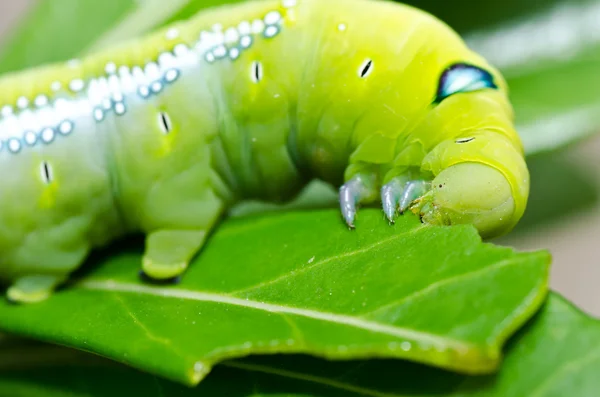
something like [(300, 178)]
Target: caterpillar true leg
[(413, 190), (359, 189), (34, 288), (399, 193), (390, 196), (169, 252)]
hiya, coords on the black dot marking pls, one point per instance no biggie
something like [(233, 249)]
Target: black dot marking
[(257, 71), (46, 172), (366, 68), (440, 185), (465, 140), (165, 122)]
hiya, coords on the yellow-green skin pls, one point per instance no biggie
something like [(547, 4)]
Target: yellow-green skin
[(311, 115)]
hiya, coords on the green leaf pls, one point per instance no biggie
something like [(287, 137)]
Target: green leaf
[(56, 30), (556, 354), (466, 15), (194, 6), (149, 15), (550, 60), (91, 26), (153, 14), (559, 105), (302, 283)]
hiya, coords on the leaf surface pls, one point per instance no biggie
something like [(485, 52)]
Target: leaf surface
[(556, 354), (301, 282)]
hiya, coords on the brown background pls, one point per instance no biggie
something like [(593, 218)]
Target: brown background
[(10, 11)]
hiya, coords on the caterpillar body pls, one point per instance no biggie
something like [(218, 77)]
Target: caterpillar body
[(162, 134)]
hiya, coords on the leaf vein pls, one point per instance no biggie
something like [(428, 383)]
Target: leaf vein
[(308, 378), (325, 261), (563, 369), (151, 336), (367, 325), (294, 328), (433, 287)]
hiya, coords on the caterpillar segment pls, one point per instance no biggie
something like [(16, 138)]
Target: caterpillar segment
[(163, 134)]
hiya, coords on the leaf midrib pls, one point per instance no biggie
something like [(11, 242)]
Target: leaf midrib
[(371, 326)]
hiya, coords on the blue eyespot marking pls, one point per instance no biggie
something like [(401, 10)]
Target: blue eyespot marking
[(460, 78)]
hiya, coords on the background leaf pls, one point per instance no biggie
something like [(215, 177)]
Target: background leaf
[(56, 30), (91, 26), (302, 283), (550, 59), (557, 354)]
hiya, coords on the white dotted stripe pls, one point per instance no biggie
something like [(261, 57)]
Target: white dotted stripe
[(30, 138), (217, 45), (172, 34), (41, 119), (47, 135)]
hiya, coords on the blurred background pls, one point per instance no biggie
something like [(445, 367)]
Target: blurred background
[(10, 14), (549, 50)]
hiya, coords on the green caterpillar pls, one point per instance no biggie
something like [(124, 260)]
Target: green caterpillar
[(163, 134)]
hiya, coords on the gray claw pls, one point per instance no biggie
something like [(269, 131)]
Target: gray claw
[(348, 200), (356, 190), (412, 191), (390, 194), (399, 193)]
